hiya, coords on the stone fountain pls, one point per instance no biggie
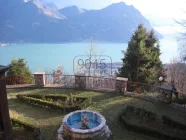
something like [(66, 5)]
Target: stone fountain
[(84, 125)]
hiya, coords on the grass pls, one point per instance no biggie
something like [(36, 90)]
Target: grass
[(152, 124), (22, 134), (108, 104)]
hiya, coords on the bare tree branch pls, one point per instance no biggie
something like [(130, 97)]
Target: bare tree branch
[(93, 57)]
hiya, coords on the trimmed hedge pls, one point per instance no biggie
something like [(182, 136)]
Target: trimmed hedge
[(42, 102), (29, 127), (168, 121), (138, 110), (85, 101), (35, 96), (146, 130), (56, 97)]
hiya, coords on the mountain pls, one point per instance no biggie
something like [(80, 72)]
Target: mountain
[(72, 11), (51, 6), (39, 21)]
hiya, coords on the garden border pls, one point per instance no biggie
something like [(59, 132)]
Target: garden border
[(150, 131), (30, 99), (29, 127)]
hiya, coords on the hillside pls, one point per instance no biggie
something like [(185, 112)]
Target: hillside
[(36, 21)]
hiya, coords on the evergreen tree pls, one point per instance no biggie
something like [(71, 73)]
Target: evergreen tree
[(19, 72), (141, 58)]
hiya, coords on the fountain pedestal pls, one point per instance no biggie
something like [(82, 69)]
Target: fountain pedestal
[(75, 124)]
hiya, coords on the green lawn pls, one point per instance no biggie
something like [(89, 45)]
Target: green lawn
[(108, 104)]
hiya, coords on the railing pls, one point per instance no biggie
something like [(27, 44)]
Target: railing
[(56, 80), (100, 83), (159, 93), (52, 80), (21, 79)]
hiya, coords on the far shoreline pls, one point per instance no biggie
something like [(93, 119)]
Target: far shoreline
[(57, 43)]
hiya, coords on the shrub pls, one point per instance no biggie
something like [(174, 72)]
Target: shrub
[(56, 97), (31, 99), (29, 127), (35, 96), (149, 130), (19, 73), (168, 121)]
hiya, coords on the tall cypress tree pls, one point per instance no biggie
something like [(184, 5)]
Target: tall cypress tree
[(141, 57)]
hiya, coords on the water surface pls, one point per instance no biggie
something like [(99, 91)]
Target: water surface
[(45, 57)]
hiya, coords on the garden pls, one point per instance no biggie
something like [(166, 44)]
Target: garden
[(37, 113)]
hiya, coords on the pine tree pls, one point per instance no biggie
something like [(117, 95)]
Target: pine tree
[(141, 57)]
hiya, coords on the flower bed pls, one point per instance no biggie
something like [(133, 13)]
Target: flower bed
[(57, 101), (148, 123)]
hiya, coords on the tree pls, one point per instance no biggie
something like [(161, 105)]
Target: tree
[(141, 59), (182, 47), (19, 72), (182, 40), (177, 73), (92, 63)]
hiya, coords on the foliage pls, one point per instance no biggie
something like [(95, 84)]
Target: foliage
[(182, 40), (138, 89), (29, 127), (57, 75), (19, 72), (43, 102), (160, 72), (135, 126), (147, 131), (108, 104), (176, 72), (55, 97), (174, 124), (141, 59)]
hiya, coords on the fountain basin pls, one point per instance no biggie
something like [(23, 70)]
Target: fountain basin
[(71, 126)]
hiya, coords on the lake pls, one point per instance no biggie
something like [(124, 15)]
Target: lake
[(46, 57)]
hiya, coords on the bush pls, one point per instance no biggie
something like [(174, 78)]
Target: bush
[(42, 102), (56, 97), (19, 73), (168, 121), (148, 130), (35, 96), (29, 127), (138, 90)]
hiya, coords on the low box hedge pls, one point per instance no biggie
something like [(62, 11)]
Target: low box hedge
[(56, 97), (146, 130), (174, 124), (29, 127), (35, 96), (43, 102)]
